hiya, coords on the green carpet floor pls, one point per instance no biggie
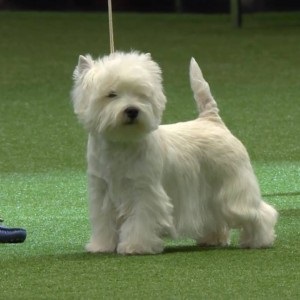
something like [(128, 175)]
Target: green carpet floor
[(254, 75)]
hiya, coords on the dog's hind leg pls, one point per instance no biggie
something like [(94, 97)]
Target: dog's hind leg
[(243, 208), (258, 232)]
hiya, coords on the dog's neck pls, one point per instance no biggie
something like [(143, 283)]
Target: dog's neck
[(107, 144)]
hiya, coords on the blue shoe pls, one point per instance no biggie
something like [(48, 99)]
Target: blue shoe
[(12, 235)]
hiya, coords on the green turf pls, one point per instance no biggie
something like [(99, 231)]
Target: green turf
[(254, 75)]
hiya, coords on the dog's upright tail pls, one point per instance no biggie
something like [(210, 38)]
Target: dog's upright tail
[(206, 103)]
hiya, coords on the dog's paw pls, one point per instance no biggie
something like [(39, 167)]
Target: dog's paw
[(215, 239), (94, 247), (130, 249)]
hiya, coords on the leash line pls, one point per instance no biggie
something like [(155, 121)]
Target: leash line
[(111, 29)]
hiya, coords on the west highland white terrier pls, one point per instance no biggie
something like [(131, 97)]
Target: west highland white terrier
[(191, 179)]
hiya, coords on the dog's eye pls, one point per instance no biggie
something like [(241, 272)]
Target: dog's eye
[(112, 95)]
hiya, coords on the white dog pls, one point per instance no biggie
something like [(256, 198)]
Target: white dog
[(191, 179)]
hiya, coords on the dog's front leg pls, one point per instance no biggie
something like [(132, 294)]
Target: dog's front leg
[(150, 216), (102, 217)]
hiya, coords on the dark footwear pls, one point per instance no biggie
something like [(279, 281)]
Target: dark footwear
[(12, 235)]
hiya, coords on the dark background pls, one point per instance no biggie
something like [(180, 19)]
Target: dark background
[(196, 6)]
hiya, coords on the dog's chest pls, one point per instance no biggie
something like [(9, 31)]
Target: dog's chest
[(118, 178), (124, 168), (120, 167)]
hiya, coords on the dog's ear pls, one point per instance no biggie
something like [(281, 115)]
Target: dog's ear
[(84, 64)]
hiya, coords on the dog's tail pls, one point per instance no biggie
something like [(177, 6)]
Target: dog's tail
[(206, 103)]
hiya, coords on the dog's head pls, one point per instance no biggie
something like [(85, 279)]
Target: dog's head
[(119, 96)]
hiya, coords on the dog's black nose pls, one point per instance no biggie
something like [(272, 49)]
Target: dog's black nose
[(132, 112)]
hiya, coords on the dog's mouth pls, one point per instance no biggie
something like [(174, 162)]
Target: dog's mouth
[(130, 122)]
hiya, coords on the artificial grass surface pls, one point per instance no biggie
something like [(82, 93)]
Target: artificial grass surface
[(254, 75)]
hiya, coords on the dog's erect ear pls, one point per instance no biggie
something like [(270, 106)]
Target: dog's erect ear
[(84, 63)]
